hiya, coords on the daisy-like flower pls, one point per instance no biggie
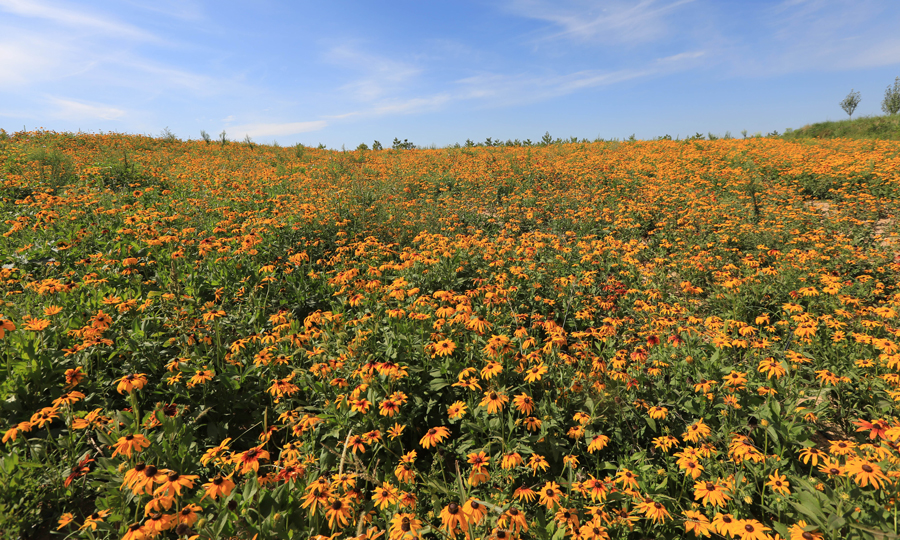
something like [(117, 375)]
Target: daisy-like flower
[(593, 530), (665, 442), (772, 368), (130, 443), (841, 448), (726, 524), (509, 461), (865, 472), (456, 410), (814, 455), (355, 443), (696, 523), (218, 487), (249, 461), (523, 403), (537, 461), (696, 432), (492, 369), (494, 401), (444, 347), (453, 519), (658, 413), (92, 520), (779, 483), (396, 431), (627, 479), (174, 481), (404, 525), (188, 515), (43, 417), (74, 377), (129, 383), (386, 494), (524, 493), (567, 517), (513, 519), (598, 443), (317, 496), (750, 529), (802, 531), (65, 519), (338, 512), (691, 467), (711, 493), (388, 407), (532, 423), (596, 488), (549, 495), (831, 468), (654, 510), (434, 436), (535, 373), (474, 511)]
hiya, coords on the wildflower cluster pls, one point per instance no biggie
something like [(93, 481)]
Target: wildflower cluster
[(652, 339)]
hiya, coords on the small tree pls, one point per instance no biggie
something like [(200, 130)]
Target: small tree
[(891, 103), (850, 102)]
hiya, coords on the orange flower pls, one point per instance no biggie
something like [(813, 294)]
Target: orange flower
[(494, 401), (128, 383), (130, 443), (444, 347), (434, 436)]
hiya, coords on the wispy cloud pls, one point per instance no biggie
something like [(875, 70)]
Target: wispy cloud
[(68, 109), (377, 76), (277, 130), (79, 19), (613, 21)]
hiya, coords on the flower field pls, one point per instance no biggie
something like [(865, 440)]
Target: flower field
[(666, 339)]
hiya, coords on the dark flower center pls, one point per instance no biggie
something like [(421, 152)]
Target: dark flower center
[(218, 481), (151, 471), (453, 508), (337, 505), (867, 468)]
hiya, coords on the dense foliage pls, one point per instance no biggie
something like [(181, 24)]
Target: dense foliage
[(593, 340)]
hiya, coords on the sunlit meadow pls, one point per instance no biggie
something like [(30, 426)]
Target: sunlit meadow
[(666, 339)]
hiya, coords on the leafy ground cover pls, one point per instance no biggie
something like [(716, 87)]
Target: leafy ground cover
[(867, 127), (595, 340)]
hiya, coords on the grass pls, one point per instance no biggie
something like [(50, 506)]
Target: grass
[(864, 127)]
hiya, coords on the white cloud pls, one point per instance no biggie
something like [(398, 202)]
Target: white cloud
[(378, 75), (614, 21), (68, 109), (275, 130), (76, 19)]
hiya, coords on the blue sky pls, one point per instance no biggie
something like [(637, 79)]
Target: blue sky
[(341, 73)]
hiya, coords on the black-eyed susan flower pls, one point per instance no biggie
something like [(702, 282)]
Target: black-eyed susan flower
[(494, 401), (130, 443), (456, 410), (696, 523), (434, 436), (779, 483), (865, 472), (218, 487), (549, 495), (453, 519), (711, 493)]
